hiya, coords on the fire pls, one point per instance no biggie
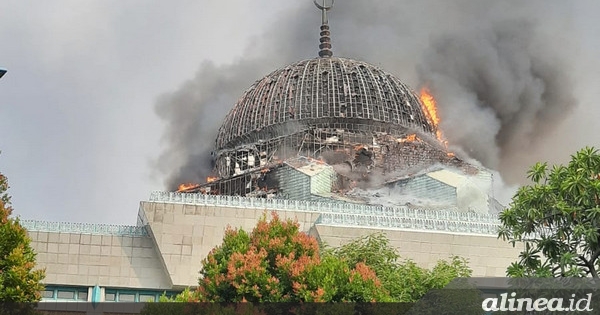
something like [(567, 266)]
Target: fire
[(430, 106), (431, 111), (410, 138), (186, 187), (211, 179)]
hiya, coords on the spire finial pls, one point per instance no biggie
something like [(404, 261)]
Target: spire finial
[(325, 46)]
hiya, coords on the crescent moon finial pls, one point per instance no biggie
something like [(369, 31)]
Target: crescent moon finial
[(324, 7)]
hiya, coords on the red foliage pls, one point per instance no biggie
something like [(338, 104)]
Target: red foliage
[(274, 263)]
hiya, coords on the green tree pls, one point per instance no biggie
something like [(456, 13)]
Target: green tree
[(403, 279), (557, 219), (19, 280), (278, 263)]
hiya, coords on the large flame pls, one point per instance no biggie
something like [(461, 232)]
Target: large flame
[(431, 112)]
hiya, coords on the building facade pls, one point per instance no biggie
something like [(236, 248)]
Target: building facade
[(337, 144), (175, 231)]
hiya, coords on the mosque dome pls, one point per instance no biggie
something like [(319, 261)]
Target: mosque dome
[(336, 129), (332, 109), (322, 91), (313, 106)]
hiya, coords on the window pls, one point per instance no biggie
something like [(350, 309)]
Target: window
[(147, 297), (126, 297), (65, 295), (110, 296), (113, 295), (82, 295)]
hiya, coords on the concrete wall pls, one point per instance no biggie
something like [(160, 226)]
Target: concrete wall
[(184, 234), (105, 260), (487, 255), (181, 235)]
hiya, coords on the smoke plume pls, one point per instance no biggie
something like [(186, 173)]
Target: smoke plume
[(497, 68), (500, 88)]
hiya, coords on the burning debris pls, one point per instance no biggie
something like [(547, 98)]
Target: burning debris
[(187, 187)]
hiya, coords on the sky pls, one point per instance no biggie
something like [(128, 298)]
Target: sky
[(91, 117)]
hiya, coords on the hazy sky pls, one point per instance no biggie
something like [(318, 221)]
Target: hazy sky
[(79, 129)]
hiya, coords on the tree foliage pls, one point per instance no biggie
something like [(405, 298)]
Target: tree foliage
[(557, 218), (403, 279), (19, 280), (278, 263)]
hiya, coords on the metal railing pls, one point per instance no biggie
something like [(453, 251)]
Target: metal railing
[(351, 214), (85, 228), (408, 223)]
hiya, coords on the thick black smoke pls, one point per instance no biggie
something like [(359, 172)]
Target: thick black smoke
[(193, 114), (498, 69), (501, 89)]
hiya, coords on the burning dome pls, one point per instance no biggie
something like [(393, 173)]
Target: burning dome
[(321, 93), (328, 128), (336, 110)]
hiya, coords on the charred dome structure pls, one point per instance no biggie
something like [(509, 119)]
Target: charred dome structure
[(319, 128)]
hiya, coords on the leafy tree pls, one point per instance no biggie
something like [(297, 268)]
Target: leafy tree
[(405, 280), (19, 280), (278, 263), (557, 218)]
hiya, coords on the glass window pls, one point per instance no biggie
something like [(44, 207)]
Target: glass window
[(110, 296), (67, 295), (48, 294), (126, 297), (147, 298), (82, 295)]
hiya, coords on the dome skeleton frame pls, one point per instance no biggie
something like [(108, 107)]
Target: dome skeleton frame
[(302, 108)]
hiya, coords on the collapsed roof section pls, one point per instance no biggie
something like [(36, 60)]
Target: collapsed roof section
[(385, 170)]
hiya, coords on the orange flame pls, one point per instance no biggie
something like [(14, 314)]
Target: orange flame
[(430, 106), (410, 138), (211, 179), (431, 111), (186, 187)]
